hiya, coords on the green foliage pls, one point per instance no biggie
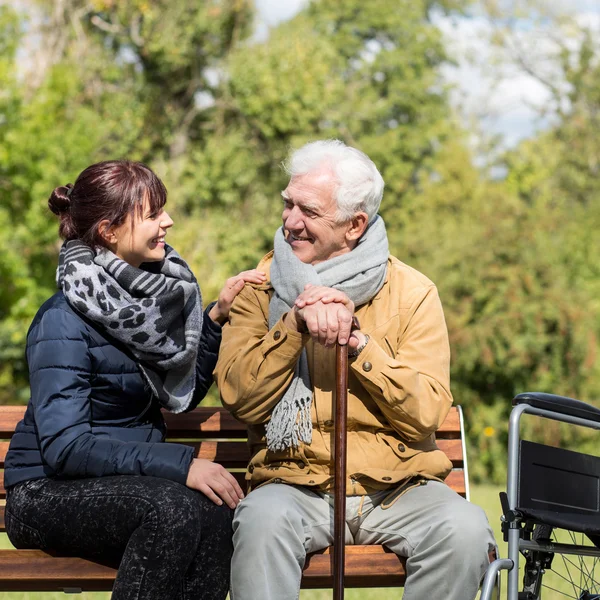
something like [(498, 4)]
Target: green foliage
[(45, 141), (512, 263)]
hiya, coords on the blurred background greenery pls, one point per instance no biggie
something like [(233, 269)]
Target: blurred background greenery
[(508, 233)]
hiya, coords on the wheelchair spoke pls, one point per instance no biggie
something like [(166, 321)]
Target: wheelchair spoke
[(586, 574), (573, 572), (578, 568), (566, 571)]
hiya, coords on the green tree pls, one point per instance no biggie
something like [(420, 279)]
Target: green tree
[(516, 260)]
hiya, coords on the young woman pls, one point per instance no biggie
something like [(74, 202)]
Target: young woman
[(88, 472)]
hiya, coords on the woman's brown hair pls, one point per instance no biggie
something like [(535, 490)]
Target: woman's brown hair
[(108, 190)]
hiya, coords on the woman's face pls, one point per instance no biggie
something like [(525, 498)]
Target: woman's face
[(141, 238)]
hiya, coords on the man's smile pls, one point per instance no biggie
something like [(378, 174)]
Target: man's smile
[(291, 238)]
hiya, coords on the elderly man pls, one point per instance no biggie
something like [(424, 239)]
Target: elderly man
[(276, 372)]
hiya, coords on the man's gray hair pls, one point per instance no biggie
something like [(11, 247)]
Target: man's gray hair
[(360, 185)]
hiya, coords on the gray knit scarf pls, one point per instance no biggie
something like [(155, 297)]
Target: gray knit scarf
[(360, 274), (155, 311)]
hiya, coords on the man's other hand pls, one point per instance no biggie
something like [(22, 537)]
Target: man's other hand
[(327, 324)]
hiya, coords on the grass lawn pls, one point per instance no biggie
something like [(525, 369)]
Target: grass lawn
[(485, 496)]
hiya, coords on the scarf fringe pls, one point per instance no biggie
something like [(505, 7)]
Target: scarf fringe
[(290, 424)]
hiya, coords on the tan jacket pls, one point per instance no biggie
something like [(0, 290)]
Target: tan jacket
[(399, 387)]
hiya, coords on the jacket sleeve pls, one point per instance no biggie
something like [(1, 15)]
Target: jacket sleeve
[(255, 364), (208, 352), (412, 389), (61, 377)]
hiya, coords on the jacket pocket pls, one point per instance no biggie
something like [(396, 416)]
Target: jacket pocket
[(400, 449), (409, 484)]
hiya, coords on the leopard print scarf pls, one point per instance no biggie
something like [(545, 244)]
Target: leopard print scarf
[(156, 311)]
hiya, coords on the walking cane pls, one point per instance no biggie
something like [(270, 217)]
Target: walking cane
[(339, 506)]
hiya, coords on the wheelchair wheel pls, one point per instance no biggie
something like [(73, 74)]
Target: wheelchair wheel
[(560, 564)]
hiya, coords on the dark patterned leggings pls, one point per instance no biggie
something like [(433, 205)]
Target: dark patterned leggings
[(168, 542)]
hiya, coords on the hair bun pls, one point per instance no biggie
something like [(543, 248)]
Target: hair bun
[(60, 201)]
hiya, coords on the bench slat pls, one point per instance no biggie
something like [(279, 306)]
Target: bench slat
[(450, 428), (9, 417), (204, 421), (221, 422), (3, 451), (36, 571), (208, 421), (456, 480), (365, 566)]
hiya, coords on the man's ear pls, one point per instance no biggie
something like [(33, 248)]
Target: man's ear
[(106, 232), (358, 225)]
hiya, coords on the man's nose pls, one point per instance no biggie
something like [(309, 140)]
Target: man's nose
[(292, 218)]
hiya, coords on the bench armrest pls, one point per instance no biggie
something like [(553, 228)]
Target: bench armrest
[(559, 404)]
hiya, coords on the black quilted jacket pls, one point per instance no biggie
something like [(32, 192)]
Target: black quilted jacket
[(90, 412)]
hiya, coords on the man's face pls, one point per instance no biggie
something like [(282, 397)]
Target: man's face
[(309, 224)]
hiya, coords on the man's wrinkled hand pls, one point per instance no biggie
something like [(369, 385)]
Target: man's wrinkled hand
[(327, 324), (320, 293)]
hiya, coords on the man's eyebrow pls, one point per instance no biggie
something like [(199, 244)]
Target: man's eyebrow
[(306, 205)]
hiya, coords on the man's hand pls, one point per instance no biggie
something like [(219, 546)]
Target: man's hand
[(313, 294), (327, 324), (326, 295), (214, 481), (219, 313)]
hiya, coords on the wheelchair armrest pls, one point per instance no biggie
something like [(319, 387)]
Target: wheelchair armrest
[(559, 404)]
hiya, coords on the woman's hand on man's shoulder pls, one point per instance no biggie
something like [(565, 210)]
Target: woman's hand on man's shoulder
[(219, 313)]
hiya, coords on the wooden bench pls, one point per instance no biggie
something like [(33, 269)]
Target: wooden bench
[(217, 436)]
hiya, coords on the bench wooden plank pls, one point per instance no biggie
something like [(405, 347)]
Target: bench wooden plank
[(210, 421), (9, 417), (3, 451), (361, 565), (450, 428), (204, 422), (207, 421), (37, 571), (456, 480)]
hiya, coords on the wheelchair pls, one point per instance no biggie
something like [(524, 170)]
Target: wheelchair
[(551, 510)]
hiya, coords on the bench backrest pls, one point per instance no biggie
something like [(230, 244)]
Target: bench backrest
[(217, 436)]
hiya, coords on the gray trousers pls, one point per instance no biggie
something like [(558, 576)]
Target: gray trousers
[(445, 538)]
